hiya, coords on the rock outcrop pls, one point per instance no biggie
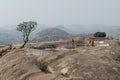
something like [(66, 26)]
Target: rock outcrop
[(84, 63)]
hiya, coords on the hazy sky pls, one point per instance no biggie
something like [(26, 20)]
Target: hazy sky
[(55, 12)]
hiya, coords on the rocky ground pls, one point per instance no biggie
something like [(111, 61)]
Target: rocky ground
[(81, 63)]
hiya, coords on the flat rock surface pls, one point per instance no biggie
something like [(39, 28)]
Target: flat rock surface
[(85, 63)]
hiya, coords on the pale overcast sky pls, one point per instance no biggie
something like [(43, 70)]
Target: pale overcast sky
[(65, 12)]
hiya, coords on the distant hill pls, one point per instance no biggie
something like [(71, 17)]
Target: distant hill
[(9, 35), (6, 38), (84, 30), (50, 34), (78, 29)]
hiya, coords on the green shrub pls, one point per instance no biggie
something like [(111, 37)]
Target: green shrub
[(100, 34)]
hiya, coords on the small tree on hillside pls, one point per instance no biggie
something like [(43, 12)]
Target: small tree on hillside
[(100, 34), (26, 28)]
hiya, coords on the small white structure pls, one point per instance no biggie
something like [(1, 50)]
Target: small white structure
[(102, 43)]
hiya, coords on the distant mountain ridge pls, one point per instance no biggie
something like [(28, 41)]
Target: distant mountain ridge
[(50, 34), (9, 35), (113, 31)]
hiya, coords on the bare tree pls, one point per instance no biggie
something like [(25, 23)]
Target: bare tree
[(26, 28)]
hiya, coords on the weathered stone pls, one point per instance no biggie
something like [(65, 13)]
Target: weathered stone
[(64, 71), (50, 69)]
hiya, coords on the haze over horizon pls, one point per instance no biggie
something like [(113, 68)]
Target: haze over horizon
[(56, 12)]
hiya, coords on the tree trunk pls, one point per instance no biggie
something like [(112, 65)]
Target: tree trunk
[(23, 45), (25, 39)]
